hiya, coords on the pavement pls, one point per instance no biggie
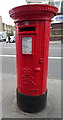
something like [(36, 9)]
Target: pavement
[(9, 104), (8, 87)]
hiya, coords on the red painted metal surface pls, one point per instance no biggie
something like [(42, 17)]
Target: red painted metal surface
[(33, 12), (32, 22)]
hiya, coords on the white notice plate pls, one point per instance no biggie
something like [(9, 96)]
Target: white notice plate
[(26, 45)]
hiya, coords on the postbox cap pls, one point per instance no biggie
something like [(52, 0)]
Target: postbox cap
[(33, 12)]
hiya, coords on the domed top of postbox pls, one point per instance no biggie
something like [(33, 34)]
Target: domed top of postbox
[(33, 12)]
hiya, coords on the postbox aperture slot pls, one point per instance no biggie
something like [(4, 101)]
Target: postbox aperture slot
[(27, 29), (27, 45)]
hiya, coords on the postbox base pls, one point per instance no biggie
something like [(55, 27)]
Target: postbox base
[(31, 104)]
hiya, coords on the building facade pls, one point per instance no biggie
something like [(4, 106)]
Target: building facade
[(57, 22), (8, 28), (56, 31), (1, 24)]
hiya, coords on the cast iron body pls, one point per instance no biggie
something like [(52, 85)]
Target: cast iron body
[(32, 43)]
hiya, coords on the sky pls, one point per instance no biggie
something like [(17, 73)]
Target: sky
[(5, 6)]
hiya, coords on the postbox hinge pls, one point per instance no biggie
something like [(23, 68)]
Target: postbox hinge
[(41, 60)]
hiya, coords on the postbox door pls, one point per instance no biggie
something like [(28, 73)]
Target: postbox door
[(30, 65)]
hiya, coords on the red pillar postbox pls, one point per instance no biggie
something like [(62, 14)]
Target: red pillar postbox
[(32, 43)]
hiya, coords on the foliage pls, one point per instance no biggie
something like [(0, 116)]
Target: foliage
[(11, 33)]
